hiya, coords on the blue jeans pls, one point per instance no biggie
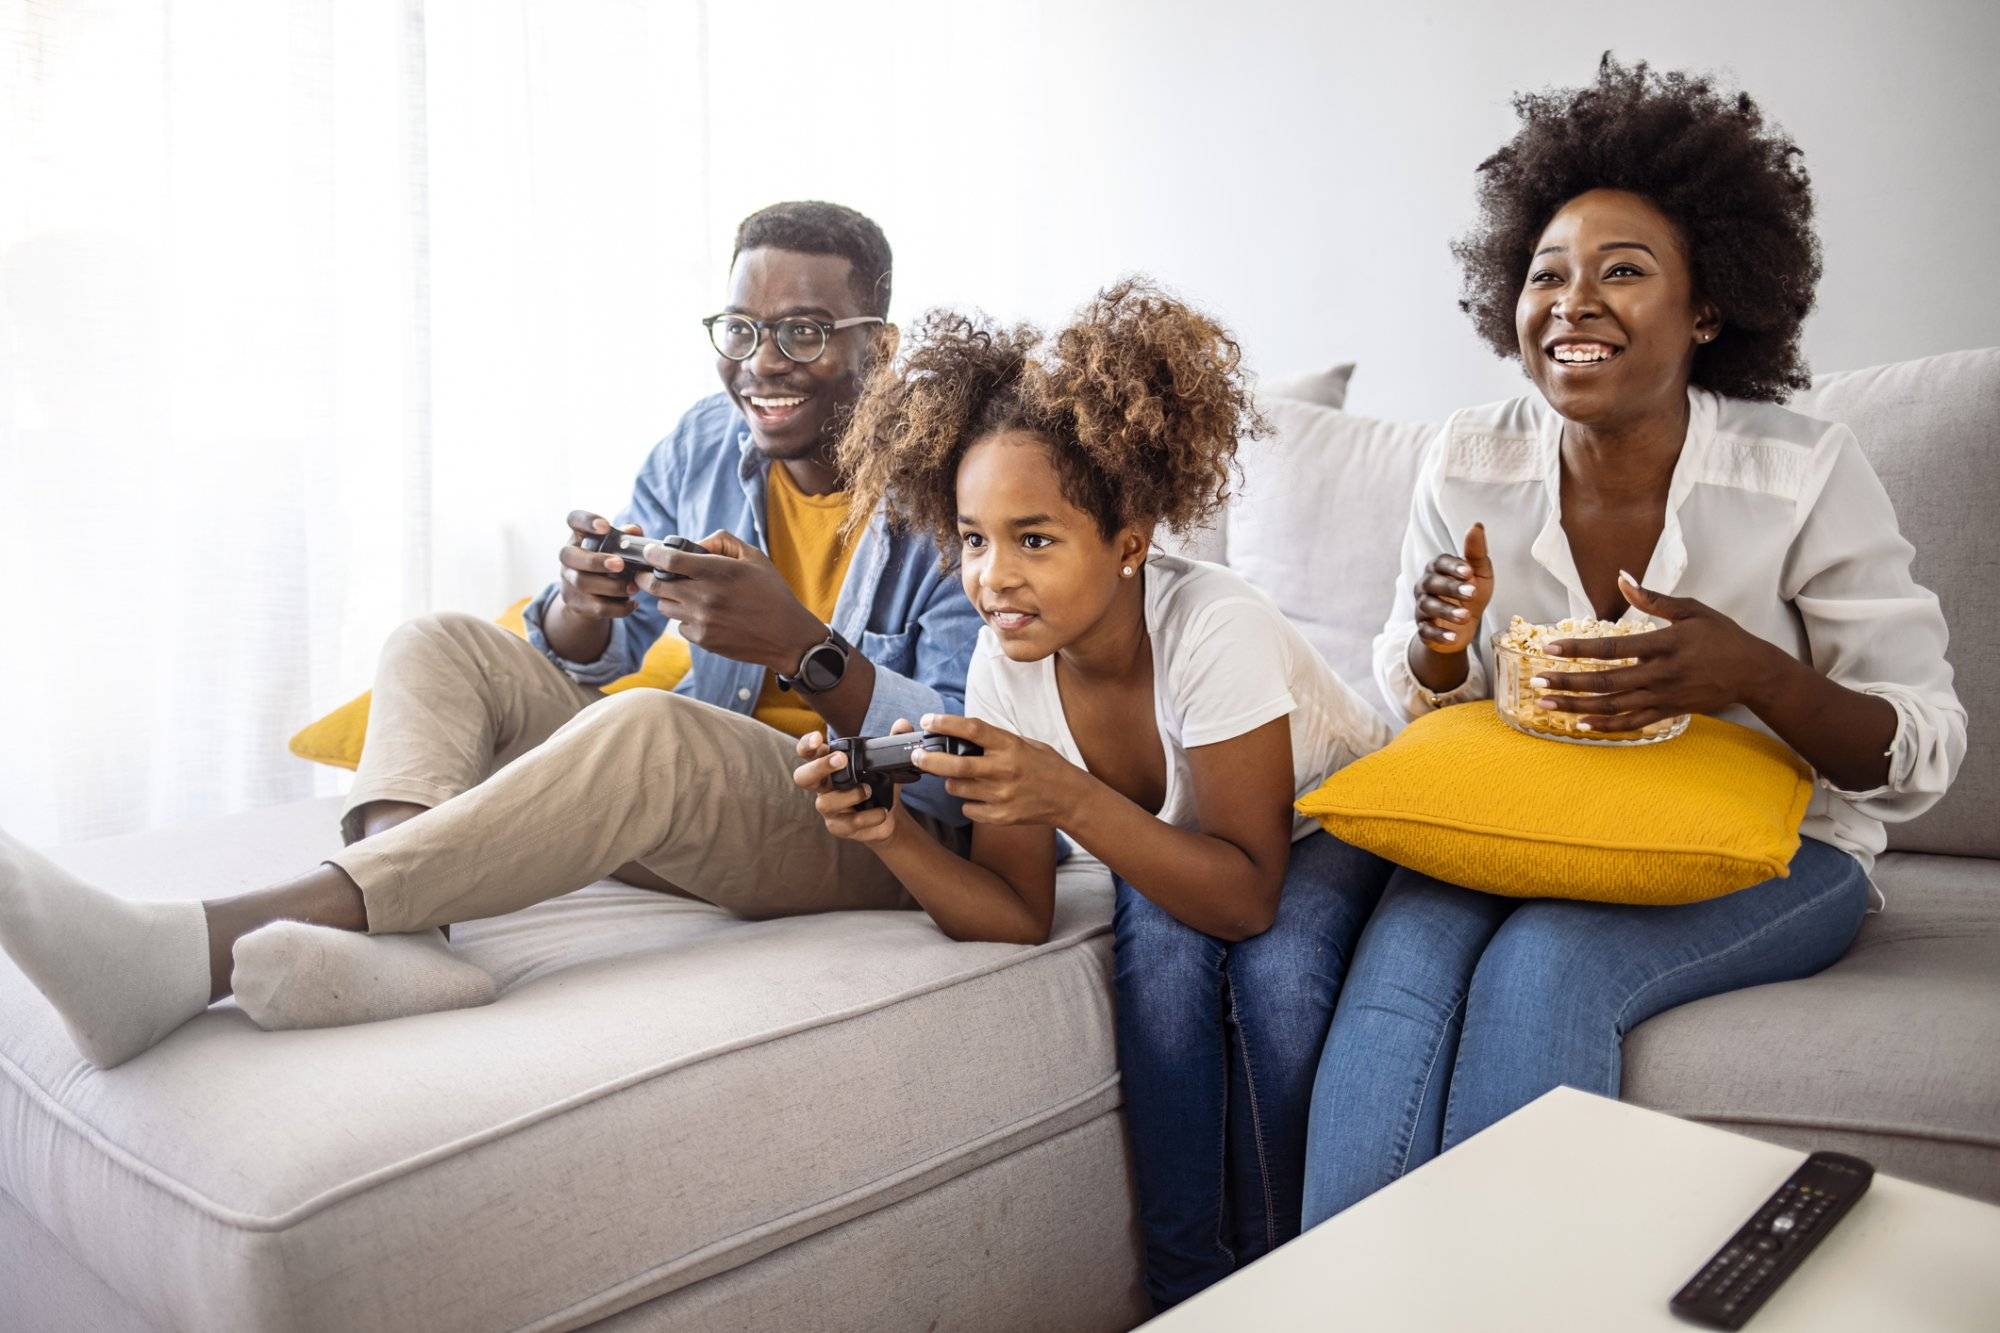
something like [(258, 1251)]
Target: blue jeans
[(1217, 1043), (1462, 1007)]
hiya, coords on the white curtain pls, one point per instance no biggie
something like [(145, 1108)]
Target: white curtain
[(313, 315)]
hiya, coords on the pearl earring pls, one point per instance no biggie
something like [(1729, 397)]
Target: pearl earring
[(1127, 571)]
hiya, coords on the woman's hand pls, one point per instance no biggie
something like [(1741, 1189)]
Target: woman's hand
[(1452, 595), (1016, 781), (835, 806), (1702, 662)]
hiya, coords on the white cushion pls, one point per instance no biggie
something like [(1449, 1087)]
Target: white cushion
[(1318, 524), (1327, 388)]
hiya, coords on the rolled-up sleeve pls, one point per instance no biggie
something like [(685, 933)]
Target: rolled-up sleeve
[(1870, 626), (1426, 536), (651, 508)]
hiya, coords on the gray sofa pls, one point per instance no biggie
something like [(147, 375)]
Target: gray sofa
[(674, 1119)]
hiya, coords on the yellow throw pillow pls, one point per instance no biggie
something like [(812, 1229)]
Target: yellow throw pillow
[(337, 738), (660, 669), (1465, 798)]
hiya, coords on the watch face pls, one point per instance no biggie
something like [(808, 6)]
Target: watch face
[(823, 668)]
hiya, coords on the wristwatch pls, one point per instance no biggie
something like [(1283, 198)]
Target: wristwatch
[(822, 666)]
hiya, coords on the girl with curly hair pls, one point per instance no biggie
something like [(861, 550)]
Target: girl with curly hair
[(1646, 250), (1159, 712)]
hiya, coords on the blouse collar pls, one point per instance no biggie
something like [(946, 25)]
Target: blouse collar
[(1662, 574)]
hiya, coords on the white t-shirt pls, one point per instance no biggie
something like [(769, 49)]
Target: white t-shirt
[(1225, 662)]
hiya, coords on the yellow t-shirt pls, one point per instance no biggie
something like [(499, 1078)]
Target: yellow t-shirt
[(805, 545)]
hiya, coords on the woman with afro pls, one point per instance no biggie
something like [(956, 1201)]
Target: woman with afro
[(1645, 248), (1159, 712)]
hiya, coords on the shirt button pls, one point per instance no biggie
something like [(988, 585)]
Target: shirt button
[(743, 694)]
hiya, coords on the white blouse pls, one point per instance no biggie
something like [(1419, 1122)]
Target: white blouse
[(1774, 519)]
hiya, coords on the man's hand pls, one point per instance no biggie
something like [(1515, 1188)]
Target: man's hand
[(733, 602), (1016, 780), (1702, 662), (589, 584), (835, 806)]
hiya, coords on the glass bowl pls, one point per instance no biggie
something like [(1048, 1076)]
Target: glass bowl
[(1514, 666)]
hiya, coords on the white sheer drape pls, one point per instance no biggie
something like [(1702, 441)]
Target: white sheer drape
[(313, 315)]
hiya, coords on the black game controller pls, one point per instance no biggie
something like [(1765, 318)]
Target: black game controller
[(631, 547), (883, 762)]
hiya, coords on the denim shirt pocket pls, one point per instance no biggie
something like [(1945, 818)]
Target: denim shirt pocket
[(897, 652)]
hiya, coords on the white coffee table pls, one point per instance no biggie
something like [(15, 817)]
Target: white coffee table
[(1577, 1212)]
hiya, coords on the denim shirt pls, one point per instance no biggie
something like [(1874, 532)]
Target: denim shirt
[(910, 619)]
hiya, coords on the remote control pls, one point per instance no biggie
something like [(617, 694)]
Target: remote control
[(1732, 1286), (631, 546)]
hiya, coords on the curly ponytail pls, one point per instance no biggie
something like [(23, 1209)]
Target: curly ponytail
[(1141, 400)]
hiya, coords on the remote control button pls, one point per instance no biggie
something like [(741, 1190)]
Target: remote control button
[(1784, 1224)]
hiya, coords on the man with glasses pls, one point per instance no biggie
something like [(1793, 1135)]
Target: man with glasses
[(793, 625), (752, 468)]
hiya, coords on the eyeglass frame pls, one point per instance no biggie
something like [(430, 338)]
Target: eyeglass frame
[(827, 328)]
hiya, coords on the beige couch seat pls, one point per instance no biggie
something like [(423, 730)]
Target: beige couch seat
[(662, 1094)]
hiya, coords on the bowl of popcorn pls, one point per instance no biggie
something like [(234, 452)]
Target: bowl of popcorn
[(1519, 656)]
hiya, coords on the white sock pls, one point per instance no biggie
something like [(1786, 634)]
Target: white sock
[(122, 974), (293, 975)]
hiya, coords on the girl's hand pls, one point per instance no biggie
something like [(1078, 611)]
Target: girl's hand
[(1702, 662), (836, 807), (1452, 596), (1016, 781)]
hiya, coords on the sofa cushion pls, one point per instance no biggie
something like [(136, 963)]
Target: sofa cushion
[(1325, 388), (1893, 1052), (1931, 428), (661, 1093), (1318, 525)]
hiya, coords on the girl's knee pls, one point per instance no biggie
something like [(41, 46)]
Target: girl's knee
[(1288, 977), (1153, 951)]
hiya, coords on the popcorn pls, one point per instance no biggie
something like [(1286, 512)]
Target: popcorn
[(1528, 637), (1520, 654)]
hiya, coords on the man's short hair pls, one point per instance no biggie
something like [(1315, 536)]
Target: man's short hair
[(812, 227)]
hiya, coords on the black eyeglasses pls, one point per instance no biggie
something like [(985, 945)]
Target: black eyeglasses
[(800, 337)]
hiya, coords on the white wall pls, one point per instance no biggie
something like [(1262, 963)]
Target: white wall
[(1299, 169)]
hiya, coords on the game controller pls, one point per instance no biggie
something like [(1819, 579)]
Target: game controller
[(631, 547), (883, 762)]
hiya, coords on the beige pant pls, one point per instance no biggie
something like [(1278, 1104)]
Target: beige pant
[(585, 783)]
